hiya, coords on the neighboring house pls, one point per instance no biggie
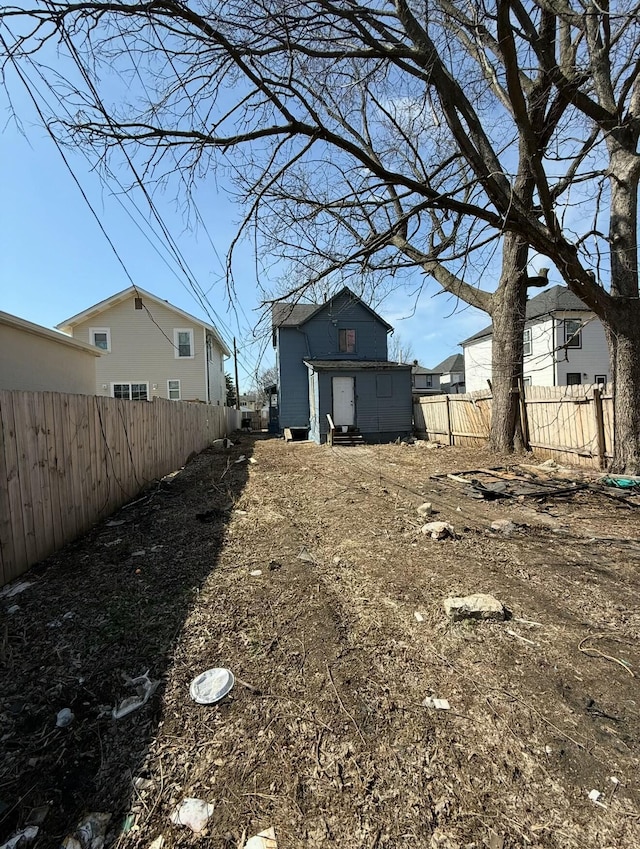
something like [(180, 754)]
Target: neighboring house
[(564, 344), (36, 359), (452, 375), (151, 349), (332, 359), (424, 381)]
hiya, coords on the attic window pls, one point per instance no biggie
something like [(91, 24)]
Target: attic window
[(138, 303), (100, 337), (346, 341)]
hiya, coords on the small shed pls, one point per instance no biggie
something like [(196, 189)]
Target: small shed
[(370, 398)]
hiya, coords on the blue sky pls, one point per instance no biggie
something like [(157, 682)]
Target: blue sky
[(57, 262)]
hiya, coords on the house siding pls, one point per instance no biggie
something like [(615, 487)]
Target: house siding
[(38, 364), (477, 364), (293, 400), (142, 350), (591, 359), (549, 362), (376, 418)]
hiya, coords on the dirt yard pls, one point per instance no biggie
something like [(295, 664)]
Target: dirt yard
[(303, 573)]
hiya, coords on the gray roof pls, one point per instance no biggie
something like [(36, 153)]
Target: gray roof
[(356, 365), (453, 363), (291, 314), (555, 299), (417, 369), (286, 314)]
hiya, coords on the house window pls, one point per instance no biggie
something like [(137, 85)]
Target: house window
[(601, 380), (423, 381), (574, 378), (526, 342), (526, 381), (100, 337), (572, 333), (383, 386), (131, 391), (183, 343), (173, 390), (346, 341)]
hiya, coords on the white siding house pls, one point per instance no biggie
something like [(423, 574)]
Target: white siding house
[(424, 381), (36, 359), (452, 375), (151, 349), (564, 343)]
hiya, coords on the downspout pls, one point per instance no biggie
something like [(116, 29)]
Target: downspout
[(206, 367), (554, 349)]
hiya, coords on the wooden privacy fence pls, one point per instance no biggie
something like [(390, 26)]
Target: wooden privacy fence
[(571, 424), (67, 461)]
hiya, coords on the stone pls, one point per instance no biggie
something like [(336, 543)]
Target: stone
[(425, 509), (438, 530), (503, 526), (476, 606)]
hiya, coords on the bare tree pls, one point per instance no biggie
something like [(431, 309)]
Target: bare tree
[(380, 138), (400, 351)]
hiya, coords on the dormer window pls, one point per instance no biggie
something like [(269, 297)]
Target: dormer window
[(347, 341)]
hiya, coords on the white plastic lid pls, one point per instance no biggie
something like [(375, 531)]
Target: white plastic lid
[(211, 686)]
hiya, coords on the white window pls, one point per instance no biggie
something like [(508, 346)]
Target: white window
[(100, 337), (173, 390), (601, 379), (183, 342), (526, 381), (130, 391), (573, 333), (526, 342)]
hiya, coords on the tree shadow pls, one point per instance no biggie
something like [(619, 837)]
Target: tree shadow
[(108, 607)]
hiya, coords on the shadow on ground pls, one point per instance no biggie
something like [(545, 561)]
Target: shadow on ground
[(111, 606)]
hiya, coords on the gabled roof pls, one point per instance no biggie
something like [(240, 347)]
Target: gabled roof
[(418, 369), (453, 363), (13, 321), (135, 291), (293, 315), (555, 299)]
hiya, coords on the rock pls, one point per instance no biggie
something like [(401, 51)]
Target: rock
[(194, 813), (476, 606), (438, 530), (503, 526), (425, 509), (264, 840), (65, 717)]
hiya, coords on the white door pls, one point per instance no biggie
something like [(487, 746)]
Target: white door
[(343, 401)]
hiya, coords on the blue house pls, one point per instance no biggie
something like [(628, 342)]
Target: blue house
[(332, 359)]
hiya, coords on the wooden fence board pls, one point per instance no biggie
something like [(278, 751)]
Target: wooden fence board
[(66, 461), (561, 419)]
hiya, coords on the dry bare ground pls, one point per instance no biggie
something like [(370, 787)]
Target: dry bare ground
[(325, 736)]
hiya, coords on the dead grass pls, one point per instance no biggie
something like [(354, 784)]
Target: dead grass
[(329, 742)]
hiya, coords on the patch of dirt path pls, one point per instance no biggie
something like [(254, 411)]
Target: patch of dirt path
[(324, 735)]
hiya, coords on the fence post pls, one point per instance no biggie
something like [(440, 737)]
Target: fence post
[(597, 406), (449, 433), (524, 419)]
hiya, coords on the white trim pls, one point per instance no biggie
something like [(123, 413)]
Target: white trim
[(136, 291), (527, 341), (106, 331), (129, 383), (176, 345), (174, 380), (207, 388)]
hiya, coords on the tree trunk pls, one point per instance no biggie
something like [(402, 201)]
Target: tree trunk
[(625, 372), (622, 320), (506, 358)]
